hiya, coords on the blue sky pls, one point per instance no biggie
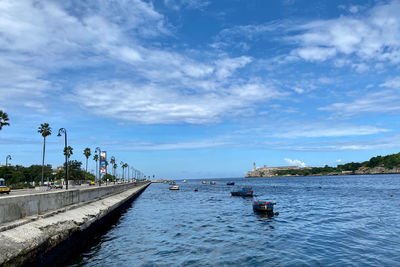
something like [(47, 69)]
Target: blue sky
[(195, 88)]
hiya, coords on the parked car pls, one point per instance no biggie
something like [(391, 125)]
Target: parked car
[(91, 183), (58, 184), (3, 188)]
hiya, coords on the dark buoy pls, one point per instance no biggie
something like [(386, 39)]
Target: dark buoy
[(195, 190), (276, 213)]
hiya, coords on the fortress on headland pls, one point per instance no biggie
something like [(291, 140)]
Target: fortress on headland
[(268, 172)]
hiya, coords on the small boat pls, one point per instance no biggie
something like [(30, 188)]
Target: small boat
[(204, 182), (263, 206), (213, 182), (230, 183), (184, 181), (195, 190), (174, 187), (244, 192)]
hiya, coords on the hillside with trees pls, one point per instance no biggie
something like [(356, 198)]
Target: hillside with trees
[(376, 165)]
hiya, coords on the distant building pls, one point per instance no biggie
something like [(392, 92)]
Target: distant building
[(58, 169), (268, 171)]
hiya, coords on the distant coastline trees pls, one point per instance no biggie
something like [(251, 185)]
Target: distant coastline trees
[(387, 162)]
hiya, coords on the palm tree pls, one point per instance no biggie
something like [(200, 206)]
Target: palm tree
[(3, 119), (44, 130), (68, 151), (115, 167), (87, 154), (96, 158), (123, 169), (125, 166)]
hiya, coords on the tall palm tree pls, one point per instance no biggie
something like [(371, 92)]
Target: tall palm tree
[(123, 169), (87, 154), (96, 158), (125, 166), (44, 130), (115, 167), (3, 119)]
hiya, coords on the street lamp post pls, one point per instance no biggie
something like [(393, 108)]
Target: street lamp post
[(99, 150), (64, 131), (127, 166), (8, 158), (123, 171)]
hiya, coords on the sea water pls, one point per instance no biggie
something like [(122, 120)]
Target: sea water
[(322, 221)]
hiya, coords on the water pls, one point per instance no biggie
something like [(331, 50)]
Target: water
[(337, 220)]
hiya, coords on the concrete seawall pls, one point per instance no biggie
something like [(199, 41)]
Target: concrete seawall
[(16, 207), (42, 240)]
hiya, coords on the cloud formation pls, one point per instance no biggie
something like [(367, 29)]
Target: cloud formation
[(371, 37), (295, 162)]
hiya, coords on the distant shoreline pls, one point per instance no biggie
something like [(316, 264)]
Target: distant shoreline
[(374, 171)]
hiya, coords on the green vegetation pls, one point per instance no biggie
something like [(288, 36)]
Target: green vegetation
[(387, 162), (20, 176), (3, 119)]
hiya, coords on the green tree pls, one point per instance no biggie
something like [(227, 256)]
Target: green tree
[(107, 176), (44, 130), (68, 151), (75, 170), (87, 154), (3, 119)]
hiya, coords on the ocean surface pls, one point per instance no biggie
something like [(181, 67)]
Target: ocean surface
[(322, 221)]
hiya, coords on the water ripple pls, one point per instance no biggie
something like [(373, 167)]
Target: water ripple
[(334, 221)]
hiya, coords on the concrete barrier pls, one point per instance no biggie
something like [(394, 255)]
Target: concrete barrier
[(50, 240), (16, 207)]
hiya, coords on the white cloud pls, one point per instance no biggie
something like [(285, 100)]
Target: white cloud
[(38, 38), (379, 101), (187, 4), (374, 36), (295, 162), (392, 83), (167, 104), (383, 101), (318, 130)]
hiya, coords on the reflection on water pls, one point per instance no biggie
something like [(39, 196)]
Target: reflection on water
[(341, 220)]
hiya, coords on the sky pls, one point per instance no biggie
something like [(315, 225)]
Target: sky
[(201, 88)]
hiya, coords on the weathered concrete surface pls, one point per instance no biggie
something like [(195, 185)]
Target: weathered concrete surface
[(23, 244), (16, 207)]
